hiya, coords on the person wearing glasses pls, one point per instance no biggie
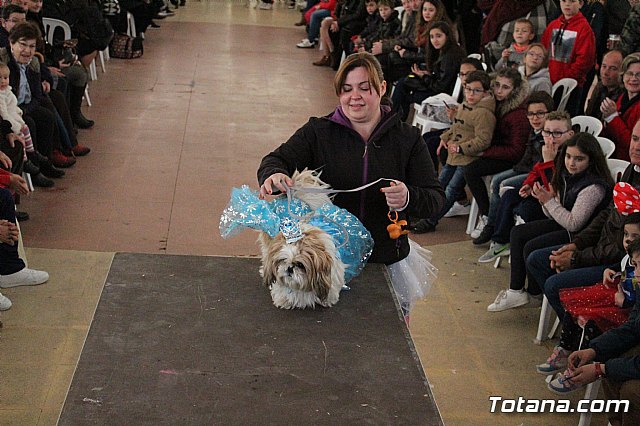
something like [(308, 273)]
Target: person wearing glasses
[(539, 105), (509, 138), (534, 69), (578, 191), (469, 135), (621, 115)]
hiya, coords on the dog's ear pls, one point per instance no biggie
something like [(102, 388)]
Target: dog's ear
[(320, 282)]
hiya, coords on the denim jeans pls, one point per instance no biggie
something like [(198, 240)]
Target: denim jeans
[(507, 178), (551, 282), (452, 180), (314, 23)]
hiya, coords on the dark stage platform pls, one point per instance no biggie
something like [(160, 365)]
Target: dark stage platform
[(185, 340)]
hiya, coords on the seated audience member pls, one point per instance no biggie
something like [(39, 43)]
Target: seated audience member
[(497, 28), (11, 16), (13, 272), (469, 135), (350, 22), (535, 69), (580, 188), (25, 81), (591, 251), (373, 21), (630, 36), (388, 28), (622, 114), (610, 84), (443, 60), (328, 38), (539, 107), (432, 138), (316, 14), (572, 49), (509, 139), (520, 199), (386, 51), (523, 35), (595, 309)]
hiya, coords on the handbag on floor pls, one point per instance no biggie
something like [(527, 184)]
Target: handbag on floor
[(123, 46)]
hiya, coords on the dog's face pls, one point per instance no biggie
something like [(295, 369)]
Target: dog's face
[(304, 265)]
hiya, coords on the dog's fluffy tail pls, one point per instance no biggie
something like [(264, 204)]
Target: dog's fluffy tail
[(311, 179)]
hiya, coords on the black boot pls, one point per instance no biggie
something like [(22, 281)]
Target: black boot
[(485, 235), (40, 180), (45, 165), (75, 108)]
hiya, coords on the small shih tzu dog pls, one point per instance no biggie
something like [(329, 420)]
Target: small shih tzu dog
[(301, 265), (310, 247)]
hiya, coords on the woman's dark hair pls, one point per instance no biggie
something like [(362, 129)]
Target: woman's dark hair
[(633, 218), (513, 75), (476, 63), (634, 246), (588, 145), (434, 54), (356, 60), (422, 26), (24, 31)]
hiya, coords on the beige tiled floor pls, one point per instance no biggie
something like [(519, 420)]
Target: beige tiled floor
[(220, 85)]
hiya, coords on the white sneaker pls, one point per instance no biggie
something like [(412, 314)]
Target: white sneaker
[(305, 44), (508, 299), (5, 303), (265, 6), (24, 277), (495, 250), (458, 210), (482, 221)]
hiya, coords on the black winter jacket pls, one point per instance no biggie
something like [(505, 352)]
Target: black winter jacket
[(395, 150)]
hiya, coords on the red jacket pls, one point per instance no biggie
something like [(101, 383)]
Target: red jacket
[(323, 4), (5, 178), (510, 136), (619, 129), (574, 54)]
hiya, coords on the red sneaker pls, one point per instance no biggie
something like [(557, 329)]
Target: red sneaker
[(60, 160), (80, 150)]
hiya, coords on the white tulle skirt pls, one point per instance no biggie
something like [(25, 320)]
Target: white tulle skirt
[(413, 276)]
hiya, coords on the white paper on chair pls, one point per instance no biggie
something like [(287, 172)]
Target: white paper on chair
[(434, 107)]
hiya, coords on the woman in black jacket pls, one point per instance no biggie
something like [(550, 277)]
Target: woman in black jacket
[(443, 60), (359, 143)]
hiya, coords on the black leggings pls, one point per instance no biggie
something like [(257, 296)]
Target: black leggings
[(525, 239), (473, 174)]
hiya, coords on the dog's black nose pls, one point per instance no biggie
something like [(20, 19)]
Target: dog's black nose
[(290, 270)]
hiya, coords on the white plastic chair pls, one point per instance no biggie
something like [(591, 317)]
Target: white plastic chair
[(131, 26), (544, 332), (588, 124), (567, 85), (617, 168), (608, 147), (474, 212)]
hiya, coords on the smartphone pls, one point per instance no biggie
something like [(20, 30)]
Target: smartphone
[(422, 66)]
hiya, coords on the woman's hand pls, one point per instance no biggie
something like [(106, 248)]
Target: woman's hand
[(13, 137), (397, 47), (417, 71), (618, 299), (56, 71), (579, 358), (396, 194), (540, 193), (9, 232), (443, 145), (525, 191), (560, 259), (608, 107), (608, 277), (18, 184), (5, 160), (275, 182), (376, 48)]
